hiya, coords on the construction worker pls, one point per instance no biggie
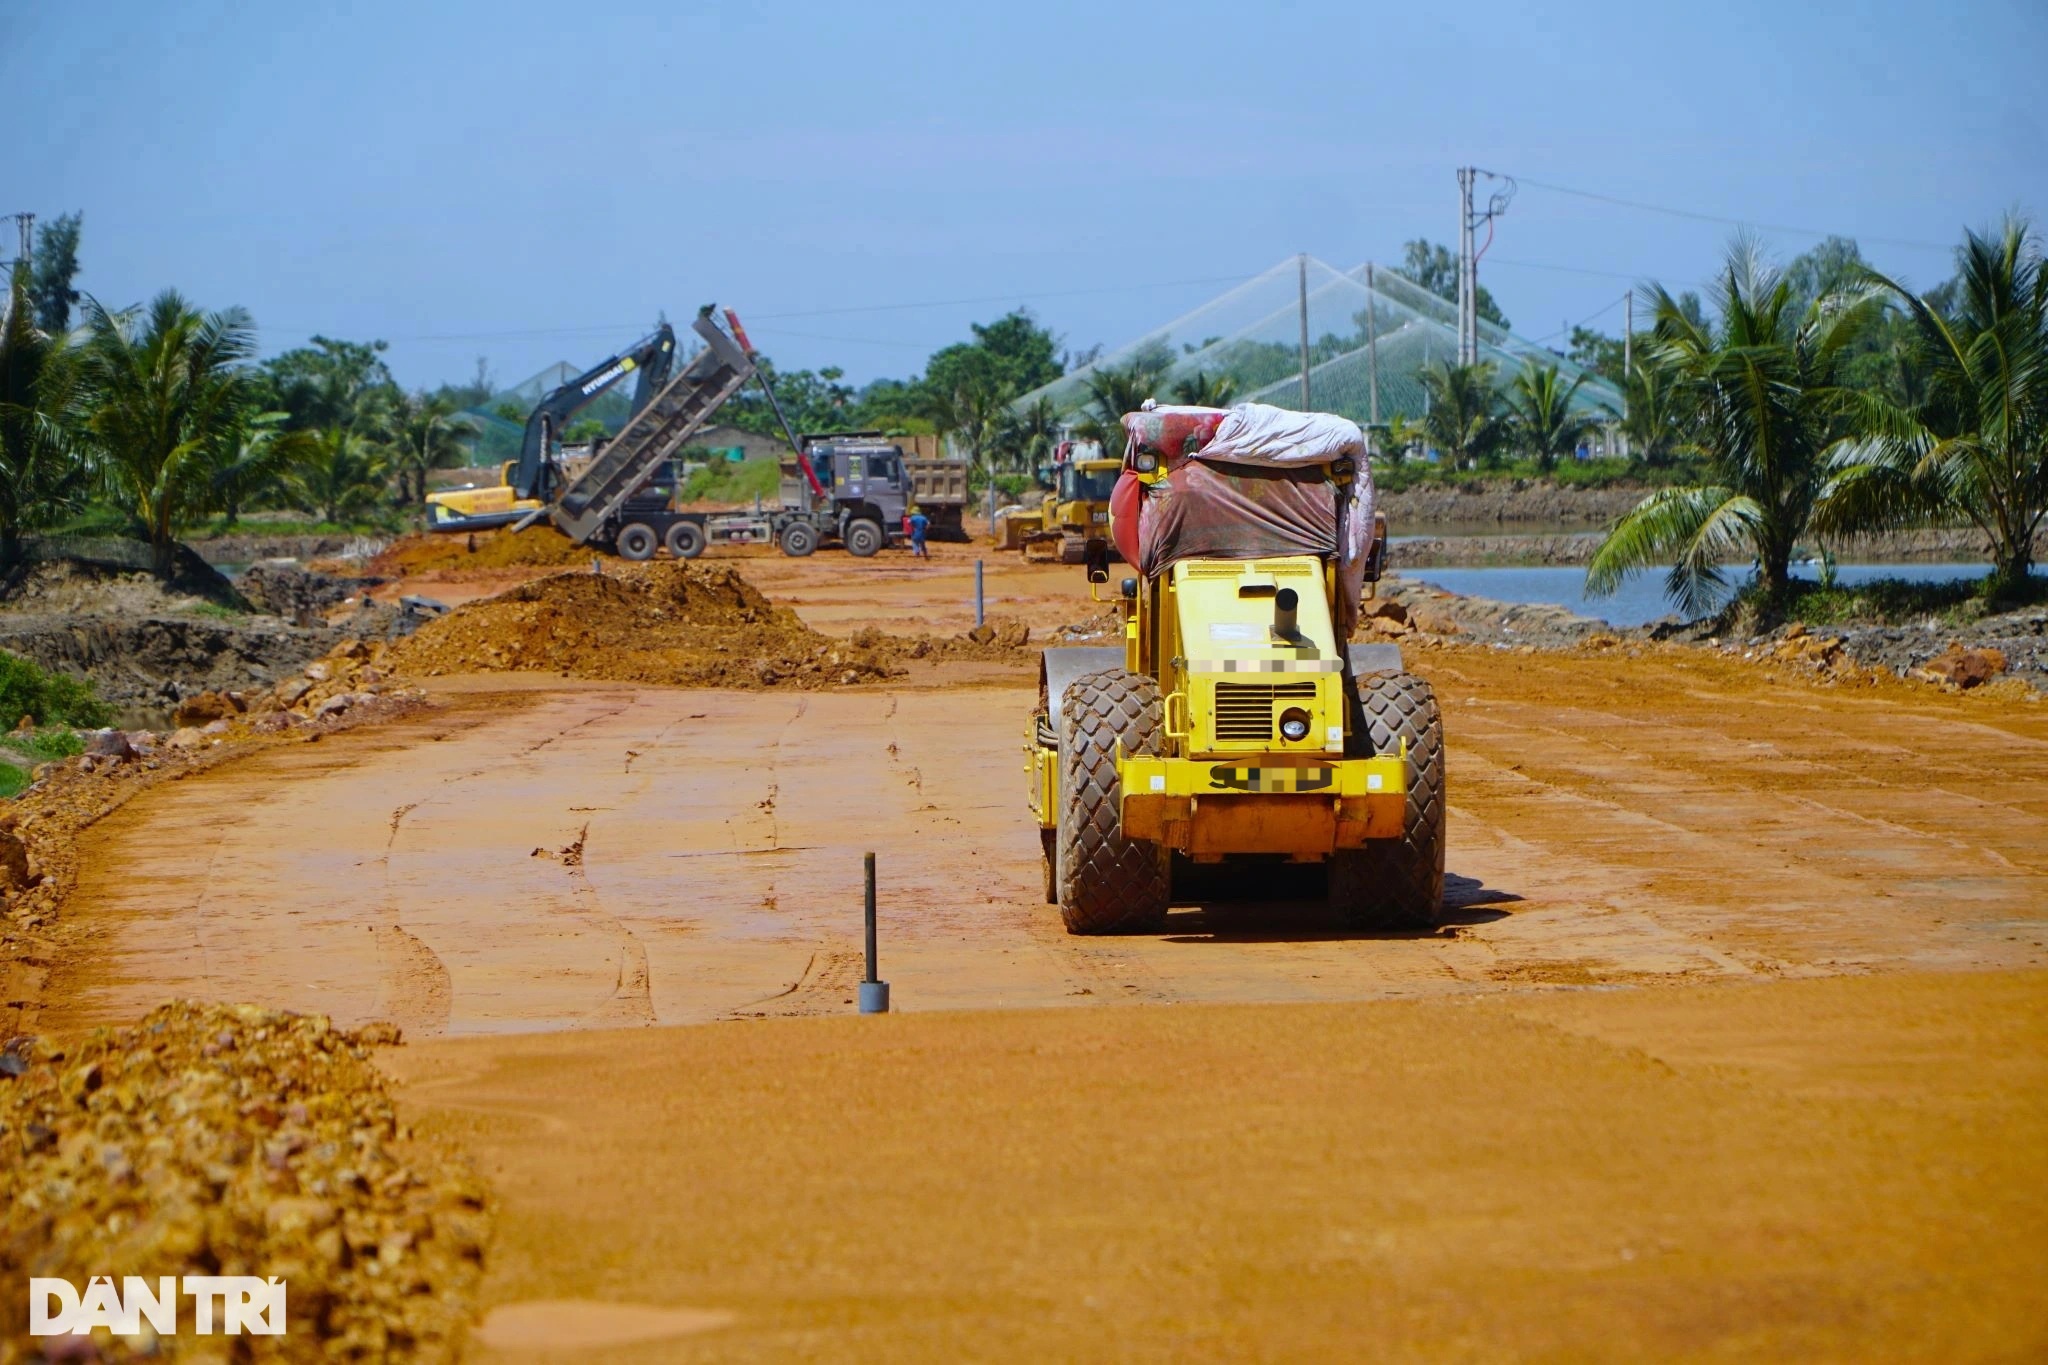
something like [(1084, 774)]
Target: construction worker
[(919, 524)]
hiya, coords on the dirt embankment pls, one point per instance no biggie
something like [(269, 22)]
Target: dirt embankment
[(1528, 501), (214, 1139), (686, 624), (536, 547)]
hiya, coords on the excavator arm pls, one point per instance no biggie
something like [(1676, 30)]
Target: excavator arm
[(652, 358)]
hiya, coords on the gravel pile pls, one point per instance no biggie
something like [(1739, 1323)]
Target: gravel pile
[(232, 1140)]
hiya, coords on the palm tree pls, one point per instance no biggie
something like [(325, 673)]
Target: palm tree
[(340, 480), (1756, 393), (41, 471), (1650, 424), (1464, 411), (1202, 391), (1975, 443), (260, 451), (168, 389), (1026, 435), (421, 434), (1112, 392), (1541, 417)]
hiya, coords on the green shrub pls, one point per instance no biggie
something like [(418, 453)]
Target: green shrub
[(722, 481), (44, 746), (46, 698), (13, 780)]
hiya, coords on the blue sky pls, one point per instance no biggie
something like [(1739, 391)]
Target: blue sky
[(534, 182)]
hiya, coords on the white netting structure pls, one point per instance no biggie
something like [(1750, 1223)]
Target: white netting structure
[(1251, 335)]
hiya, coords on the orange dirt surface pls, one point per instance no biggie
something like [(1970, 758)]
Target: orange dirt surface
[(1845, 1169), (1811, 1128)]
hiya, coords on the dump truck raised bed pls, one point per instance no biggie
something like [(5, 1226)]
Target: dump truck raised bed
[(1236, 724)]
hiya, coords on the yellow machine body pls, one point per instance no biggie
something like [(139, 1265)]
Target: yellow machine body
[(462, 509), (1232, 781)]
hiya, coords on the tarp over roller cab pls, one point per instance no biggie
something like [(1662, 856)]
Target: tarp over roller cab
[(1247, 482)]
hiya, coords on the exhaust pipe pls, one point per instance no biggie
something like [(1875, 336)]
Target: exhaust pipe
[(1285, 602)]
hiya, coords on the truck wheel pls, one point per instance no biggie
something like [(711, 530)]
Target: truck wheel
[(1397, 883), (863, 538), (1049, 844), (1107, 884), (685, 540), (799, 538), (637, 542)]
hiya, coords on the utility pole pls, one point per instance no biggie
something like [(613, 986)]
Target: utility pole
[(1372, 345), (1304, 331), (1465, 274), (26, 222), (1628, 359), (1468, 259)]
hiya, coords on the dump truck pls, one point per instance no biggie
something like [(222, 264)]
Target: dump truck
[(1073, 512), (854, 487), (1235, 723)]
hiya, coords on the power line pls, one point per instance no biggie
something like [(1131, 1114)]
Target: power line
[(531, 332), (1566, 331), (1732, 222)]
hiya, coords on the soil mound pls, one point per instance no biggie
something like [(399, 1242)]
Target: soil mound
[(213, 1136), (536, 547), (662, 622), (67, 585)]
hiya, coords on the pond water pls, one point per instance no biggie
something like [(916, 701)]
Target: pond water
[(1641, 600)]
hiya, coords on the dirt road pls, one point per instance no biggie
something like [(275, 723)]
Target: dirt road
[(1843, 1169), (581, 855)]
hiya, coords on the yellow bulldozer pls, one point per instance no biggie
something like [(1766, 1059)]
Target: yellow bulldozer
[(1073, 513), (1236, 724)]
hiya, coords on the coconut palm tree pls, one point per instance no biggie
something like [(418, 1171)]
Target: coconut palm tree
[(1650, 424), (168, 388), (1540, 414), (1464, 418), (250, 462), (1756, 393), (1201, 390), (42, 473), (419, 434), (1975, 443), (1114, 391), (340, 480)]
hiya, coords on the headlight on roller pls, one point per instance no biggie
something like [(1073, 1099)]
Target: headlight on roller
[(1294, 725), (1145, 462)]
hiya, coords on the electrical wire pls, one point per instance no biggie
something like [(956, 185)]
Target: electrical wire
[(1732, 222), (584, 329), (1609, 307)]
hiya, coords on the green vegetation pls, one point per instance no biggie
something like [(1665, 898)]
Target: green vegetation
[(723, 481), (1826, 399), (1970, 442), (46, 698)]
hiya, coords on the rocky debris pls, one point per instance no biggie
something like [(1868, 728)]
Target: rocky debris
[(153, 663), (1961, 668), (1002, 633), (660, 622), (114, 744), (1440, 552), (299, 595), (1797, 645), (209, 706), (1403, 606), (228, 1139)]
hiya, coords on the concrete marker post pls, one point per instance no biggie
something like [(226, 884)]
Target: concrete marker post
[(874, 994)]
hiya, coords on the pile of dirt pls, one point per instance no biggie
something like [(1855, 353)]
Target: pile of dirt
[(662, 622), (232, 1140), (536, 547)]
